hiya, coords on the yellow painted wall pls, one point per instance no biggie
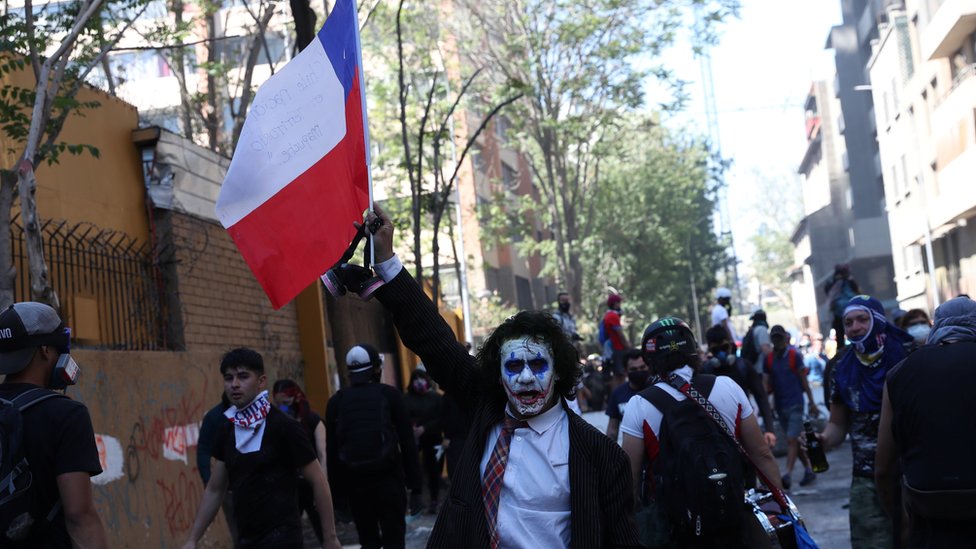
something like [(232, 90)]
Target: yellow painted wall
[(107, 191), (146, 408)]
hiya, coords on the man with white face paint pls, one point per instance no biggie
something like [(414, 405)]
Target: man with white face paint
[(527, 376), (530, 474)]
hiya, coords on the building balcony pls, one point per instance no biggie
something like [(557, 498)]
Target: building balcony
[(953, 124), (957, 194), (948, 27)]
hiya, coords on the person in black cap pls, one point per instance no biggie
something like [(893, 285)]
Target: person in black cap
[(58, 439), (756, 344), (372, 456)]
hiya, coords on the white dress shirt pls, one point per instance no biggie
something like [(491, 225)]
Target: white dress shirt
[(534, 504)]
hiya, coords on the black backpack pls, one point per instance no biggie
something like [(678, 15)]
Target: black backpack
[(367, 440), (17, 494), (698, 473)]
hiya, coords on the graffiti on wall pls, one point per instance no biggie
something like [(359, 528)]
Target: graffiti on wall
[(149, 489)]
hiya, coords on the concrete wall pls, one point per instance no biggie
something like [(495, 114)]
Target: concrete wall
[(146, 408)]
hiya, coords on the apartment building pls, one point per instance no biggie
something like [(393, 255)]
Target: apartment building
[(822, 238), (923, 66)]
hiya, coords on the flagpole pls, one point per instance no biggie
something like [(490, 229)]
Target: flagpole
[(362, 95)]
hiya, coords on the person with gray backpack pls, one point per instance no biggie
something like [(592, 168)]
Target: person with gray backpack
[(47, 443)]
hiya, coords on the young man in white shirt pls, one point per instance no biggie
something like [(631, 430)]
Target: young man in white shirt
[(720, 312), (670, 349)]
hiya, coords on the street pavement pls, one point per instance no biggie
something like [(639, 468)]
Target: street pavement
[(823, 504)]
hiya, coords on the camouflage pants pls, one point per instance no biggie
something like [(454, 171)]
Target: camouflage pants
[(870, 526)]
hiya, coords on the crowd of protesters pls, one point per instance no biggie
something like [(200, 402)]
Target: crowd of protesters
[(692, 427)]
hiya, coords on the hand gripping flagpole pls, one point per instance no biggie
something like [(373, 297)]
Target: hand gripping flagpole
[(362, 95)]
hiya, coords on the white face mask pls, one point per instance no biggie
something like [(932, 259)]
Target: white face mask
[(919, 332), (527, 375)]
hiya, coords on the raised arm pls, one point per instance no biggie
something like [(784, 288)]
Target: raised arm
[(418, 321)]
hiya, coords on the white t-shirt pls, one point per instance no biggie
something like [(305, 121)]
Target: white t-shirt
[(726, 396), (718, 315)]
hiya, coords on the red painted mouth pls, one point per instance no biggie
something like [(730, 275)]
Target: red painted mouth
[(530, 397)]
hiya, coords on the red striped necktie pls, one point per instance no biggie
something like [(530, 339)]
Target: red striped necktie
[(491, 486)]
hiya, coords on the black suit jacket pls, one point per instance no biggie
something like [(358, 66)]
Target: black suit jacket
[(601, 490)]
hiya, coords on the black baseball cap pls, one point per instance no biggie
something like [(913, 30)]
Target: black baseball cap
[(778, 331), (23, 328)]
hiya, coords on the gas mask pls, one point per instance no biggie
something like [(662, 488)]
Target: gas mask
[(66, 370), (344, 277)]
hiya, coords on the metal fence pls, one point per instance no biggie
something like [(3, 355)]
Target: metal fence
[(107, 282)]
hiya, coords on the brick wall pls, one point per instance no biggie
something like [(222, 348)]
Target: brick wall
[(221, 304)]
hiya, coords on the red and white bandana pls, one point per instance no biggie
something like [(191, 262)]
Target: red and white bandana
[(249, 423)]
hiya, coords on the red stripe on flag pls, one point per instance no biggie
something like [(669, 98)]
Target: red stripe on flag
[(297, 234)]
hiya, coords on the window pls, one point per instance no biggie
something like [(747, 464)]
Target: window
[(509, 177), (523, 291), (895, 182), (904, 175), (478, 161), (491, 279), (895, 103), (501, 127)]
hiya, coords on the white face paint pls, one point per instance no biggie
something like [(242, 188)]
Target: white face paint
[(527, 375)]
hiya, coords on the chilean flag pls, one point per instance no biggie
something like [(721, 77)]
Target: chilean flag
[(299, 176)]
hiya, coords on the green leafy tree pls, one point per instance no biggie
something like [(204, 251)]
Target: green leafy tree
[(60, 44), (576, 61), (421, 89), (652, 232), (781, 209)]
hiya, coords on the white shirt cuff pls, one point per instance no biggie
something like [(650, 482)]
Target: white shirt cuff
[(388, 269)]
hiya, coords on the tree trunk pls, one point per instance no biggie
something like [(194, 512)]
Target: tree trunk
[(40, 283), (213, 96), (8, 274), (252, 59), (179, 66), (304, 18)]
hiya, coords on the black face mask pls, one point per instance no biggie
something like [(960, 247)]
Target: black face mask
[(564, 307), (638, 378)]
